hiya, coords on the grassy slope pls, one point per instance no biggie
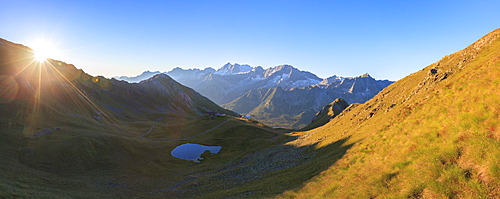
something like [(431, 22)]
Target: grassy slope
[(89, 163), (96, 151), (430, 135)]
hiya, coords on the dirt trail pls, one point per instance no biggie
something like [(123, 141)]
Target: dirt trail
[(166, 139), (151, 129)]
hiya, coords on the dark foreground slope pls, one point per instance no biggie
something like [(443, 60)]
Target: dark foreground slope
[(433, 134), (66, 134)]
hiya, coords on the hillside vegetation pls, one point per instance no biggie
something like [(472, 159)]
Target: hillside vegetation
[(67, 134), (433, 134)]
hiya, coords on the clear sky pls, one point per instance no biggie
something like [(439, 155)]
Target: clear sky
[(389, 39)]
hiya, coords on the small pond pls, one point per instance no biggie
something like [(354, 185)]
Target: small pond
[(193, 152)]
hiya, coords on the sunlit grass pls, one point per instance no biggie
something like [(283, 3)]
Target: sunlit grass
[(441, 142)]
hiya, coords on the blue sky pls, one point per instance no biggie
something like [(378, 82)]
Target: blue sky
[(388, 39)]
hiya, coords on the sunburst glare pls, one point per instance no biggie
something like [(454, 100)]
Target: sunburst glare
[(44, 49)]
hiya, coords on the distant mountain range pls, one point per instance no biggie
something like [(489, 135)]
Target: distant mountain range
[(281, 96), (232, 80)]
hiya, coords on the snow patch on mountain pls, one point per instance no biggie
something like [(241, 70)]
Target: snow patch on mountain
[(231, 69), (305, 82)]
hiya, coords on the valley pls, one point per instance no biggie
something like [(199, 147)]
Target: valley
[(432, 134)]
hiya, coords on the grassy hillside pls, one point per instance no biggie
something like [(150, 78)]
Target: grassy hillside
[(433, 134), (76, 162), (66, 134)]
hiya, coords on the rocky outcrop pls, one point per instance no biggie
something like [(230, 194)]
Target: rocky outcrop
[(331, 110), (328, 112)]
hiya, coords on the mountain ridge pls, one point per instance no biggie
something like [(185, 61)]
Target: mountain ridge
[(230, 86), (296, 107)]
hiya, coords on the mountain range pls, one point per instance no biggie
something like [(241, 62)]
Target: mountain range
[(281, 96), (67, 134)]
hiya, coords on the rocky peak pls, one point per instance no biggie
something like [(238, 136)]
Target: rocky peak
[(145, 75), (330, 80), (258, 69), (159, 77), (282, 69), (209, 70), (229, 69), (328, 112), (365, 75)]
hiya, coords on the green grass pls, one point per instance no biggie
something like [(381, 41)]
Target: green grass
[(88, 163), (97, 151)]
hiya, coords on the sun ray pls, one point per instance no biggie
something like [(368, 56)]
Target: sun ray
[(22, 59), (42, 72), (24, 68), (35, 112), (113, 121)]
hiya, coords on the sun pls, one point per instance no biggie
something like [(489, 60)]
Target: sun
[(40, 55), (42, 50)]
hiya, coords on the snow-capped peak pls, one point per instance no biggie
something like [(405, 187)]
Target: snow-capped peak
[(231, 69)]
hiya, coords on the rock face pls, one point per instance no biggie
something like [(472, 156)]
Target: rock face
[(331, 110), (231, 69), (328, 112), (281, 96)]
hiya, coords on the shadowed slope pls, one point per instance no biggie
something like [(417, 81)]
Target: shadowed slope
[(268, 172)]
